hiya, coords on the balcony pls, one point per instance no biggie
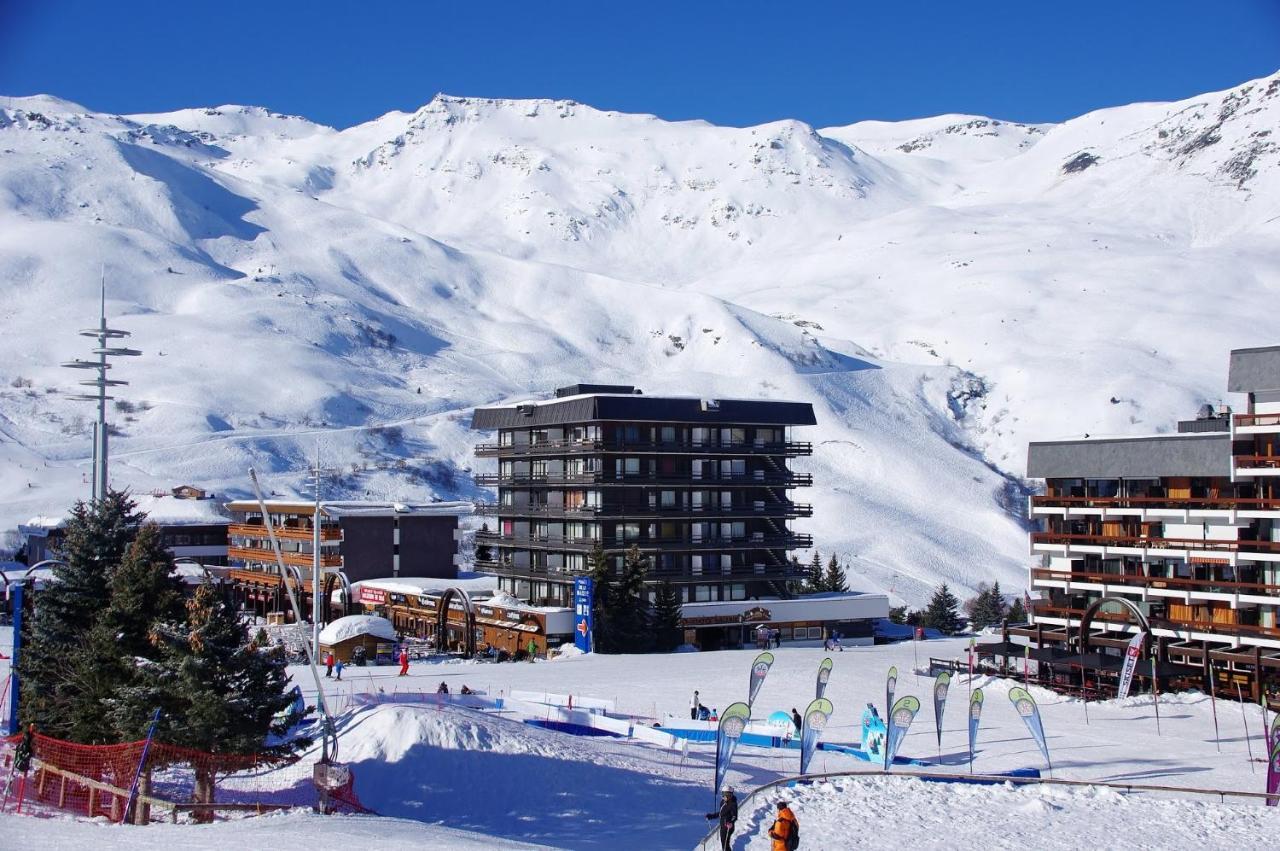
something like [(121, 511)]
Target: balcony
[(1215, 503), (290, 533), (785, 510), (744, 573), (266, 556), (755, 478), (264, 579), (789, 449), (1180, 585), (1183, 546), (532, 542), (1257, 423), (1256, 465), (1235, 630)]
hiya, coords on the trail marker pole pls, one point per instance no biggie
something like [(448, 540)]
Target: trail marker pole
[(1155, 694), (1213, 703), (1245, 718)]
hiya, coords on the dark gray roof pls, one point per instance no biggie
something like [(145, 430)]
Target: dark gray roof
[(1131, 458), (579, 409), (1254, 369), (580, 389)]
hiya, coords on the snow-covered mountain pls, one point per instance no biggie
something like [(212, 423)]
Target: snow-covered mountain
[(943, 290)]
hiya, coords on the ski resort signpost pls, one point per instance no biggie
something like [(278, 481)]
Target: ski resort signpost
[(583, 592)]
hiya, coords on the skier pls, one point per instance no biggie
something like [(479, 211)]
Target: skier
[(533, 650), (728, 816), (795, 719), (337, 667), (328, 664), (404, 662), (694, 706), (21, 765), (785, 832)]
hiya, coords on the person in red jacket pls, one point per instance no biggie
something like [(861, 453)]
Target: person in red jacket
[(404, 662), (328, 664)]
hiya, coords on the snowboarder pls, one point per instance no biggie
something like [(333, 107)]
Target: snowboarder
[(337, 667), (795, 719), (328, 664), (728, 816), (404, 662), (694, 706), (785, 832)]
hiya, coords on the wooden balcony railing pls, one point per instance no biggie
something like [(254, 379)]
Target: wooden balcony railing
[(1155, 543), (1240, 629), (266, 556), (1254, 462), (292, 533), (1208, 586), (1223, 503), (1257, 420)]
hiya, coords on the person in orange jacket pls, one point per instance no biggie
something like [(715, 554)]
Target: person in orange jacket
[(785, 832)]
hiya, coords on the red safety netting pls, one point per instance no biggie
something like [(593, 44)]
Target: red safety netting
[(95, 780)]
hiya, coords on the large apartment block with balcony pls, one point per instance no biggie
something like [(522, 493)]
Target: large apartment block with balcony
[(1185, 527), (703, 487), (358, 540)]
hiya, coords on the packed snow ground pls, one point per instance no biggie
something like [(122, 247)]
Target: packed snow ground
[(491, 775), (942, 290)]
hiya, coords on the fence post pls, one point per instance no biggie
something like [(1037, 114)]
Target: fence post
[(142, 761)]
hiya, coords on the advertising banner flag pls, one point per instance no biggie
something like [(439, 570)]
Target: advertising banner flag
[(583, 597), (814, 722), (732, 722), (1273, 762), (900, 718), (1025, 705), (890, 686), (1131, 655), (940, 687), (759, 670), (975, 715), (824, 674)]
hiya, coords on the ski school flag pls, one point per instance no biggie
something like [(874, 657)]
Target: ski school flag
[(904, 712), (1131, 655), (890, 686), (940, 687), (732, 722), (1025, 705), (815, 720), (975, 715), (824, 674), (759, 670)]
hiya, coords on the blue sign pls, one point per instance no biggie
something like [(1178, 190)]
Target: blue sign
[(583, 595)]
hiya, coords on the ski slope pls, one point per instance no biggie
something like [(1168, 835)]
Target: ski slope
[(942, 290)]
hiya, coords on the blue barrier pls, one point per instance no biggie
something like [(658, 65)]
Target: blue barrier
[(571, 729)]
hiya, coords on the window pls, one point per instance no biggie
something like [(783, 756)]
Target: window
[(574, 499), (702, 593), (627, 467), (814, 631), (668, 499), (593, 499), (737, 591), (668, 434), (702, 436), (695, 565), (538, 469), (575, 561), (505, 438)]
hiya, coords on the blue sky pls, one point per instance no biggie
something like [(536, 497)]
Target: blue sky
[(734, 63)]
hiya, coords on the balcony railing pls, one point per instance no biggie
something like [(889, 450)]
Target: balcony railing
[(749, 479), (1222, 503), (779, 509), (1256, 462), (780, 573), (1204, 586), (292, 533), (1174, 625), (789, 448), (1155, 543), (1246, 420), (264, 578), (613, 544), (267, 556)]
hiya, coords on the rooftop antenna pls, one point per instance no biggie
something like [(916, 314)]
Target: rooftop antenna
[(103, 351)]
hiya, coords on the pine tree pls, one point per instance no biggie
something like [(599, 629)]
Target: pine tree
[(629, 611), (107, 706), (898, 615), (226, 692), (667, 631), (814, 581), (601, 602), (483, 553), (941, 613), (97, 535), (999, 611), (1017, 612), (987, 608), (833, 579)]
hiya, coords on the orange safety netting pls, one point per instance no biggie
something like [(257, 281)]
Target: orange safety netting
[(95, 780)]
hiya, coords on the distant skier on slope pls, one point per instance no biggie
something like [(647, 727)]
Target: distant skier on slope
[(404, 663)]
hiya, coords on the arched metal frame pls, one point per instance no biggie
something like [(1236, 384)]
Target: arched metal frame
[(442, 621), (28, 575), (188, 560), (1086, 619), (339, 578)]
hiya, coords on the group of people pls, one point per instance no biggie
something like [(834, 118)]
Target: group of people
[(331, 664), (833, 643), (785, 831), (766, 638), (698, 712)]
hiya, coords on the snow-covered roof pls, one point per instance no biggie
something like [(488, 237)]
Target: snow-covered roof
[(354, 508), (356, 625), (472, 583), (169, 510)]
